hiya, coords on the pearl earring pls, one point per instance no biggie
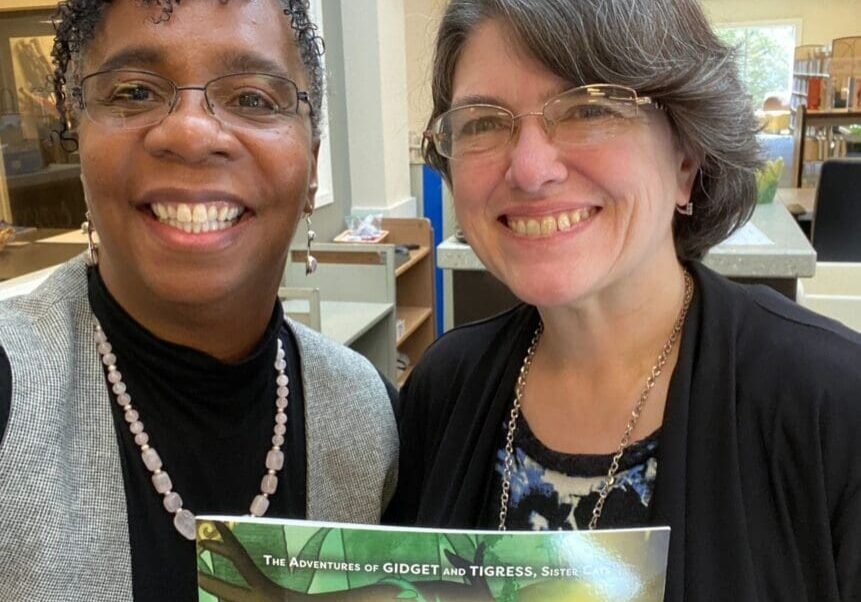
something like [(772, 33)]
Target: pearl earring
[(310, 260)]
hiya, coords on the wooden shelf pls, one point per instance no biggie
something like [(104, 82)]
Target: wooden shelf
[(413, 318), (415, 257), (415, 284), (832, 116)]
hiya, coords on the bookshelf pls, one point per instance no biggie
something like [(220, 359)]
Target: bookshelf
[(824, 121), (415, 305)]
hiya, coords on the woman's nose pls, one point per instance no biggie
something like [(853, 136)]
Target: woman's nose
[(534, 160), (190, 133)]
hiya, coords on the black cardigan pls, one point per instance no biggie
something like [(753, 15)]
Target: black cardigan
[(759, 470)]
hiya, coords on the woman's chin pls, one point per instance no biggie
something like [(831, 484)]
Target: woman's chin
[(549, 292), (192, 287)]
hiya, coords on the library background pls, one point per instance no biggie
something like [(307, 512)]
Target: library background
[(391, 297)]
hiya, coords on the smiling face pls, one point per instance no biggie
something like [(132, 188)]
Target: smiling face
[(193, 210), (561, 223)]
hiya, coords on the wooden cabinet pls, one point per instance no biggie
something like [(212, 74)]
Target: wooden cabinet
[(370, 298), (350, 298), (415, 290)]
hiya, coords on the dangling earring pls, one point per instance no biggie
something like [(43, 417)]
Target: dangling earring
[(686, 209), (310, 260), (92, 247)]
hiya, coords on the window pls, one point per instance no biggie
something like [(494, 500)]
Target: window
[(765, 56)]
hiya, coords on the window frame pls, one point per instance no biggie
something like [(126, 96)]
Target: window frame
[(324, 194)]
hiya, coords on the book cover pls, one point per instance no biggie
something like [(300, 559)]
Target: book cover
[(260, 560)]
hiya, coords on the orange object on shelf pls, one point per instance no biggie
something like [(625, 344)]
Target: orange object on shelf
[(814, 93)]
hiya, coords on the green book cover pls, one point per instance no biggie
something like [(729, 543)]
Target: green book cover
[(261, 560)]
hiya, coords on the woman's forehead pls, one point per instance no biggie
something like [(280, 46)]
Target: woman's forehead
[(209, 35), (493, 64)]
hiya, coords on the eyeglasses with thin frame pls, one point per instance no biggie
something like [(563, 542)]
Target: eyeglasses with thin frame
[(585, 115), (129, 99)]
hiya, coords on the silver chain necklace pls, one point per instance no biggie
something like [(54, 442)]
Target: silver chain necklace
[(183, 519), (610, 479)]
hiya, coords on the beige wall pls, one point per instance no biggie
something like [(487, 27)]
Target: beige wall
[(422, 18), (821, 20)]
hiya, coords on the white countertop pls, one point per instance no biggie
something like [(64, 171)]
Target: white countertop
[(771, 245)]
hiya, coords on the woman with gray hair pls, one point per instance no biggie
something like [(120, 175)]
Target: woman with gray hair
[(596, 149)]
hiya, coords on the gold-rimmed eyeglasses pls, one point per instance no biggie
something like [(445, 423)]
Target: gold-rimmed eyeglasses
[(128, 99), (580, 116)]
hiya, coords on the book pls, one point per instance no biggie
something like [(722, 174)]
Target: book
[(257, 559)]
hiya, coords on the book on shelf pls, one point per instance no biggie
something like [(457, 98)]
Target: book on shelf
[(259, 559)]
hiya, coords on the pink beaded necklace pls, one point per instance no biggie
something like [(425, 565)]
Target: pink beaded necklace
[(183, 519)]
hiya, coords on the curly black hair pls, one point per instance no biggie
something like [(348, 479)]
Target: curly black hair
[(75, 22)]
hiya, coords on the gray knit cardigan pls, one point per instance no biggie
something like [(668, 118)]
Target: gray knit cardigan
[(63, 523)]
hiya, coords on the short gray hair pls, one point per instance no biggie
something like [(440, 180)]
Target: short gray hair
[(664, 49)]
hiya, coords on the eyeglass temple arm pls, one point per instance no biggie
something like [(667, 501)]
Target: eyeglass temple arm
[(305, 97), (647, 100)]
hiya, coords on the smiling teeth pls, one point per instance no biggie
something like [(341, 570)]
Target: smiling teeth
[(198, 217), (549, 224), (563, 222)]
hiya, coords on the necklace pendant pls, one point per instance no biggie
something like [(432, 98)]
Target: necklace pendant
[(184, 523), (259, 505)]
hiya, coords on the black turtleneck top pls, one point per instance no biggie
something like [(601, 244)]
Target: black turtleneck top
[(211, 423)]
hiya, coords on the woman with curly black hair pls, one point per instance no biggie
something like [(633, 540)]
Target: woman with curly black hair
[(159, 378)]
